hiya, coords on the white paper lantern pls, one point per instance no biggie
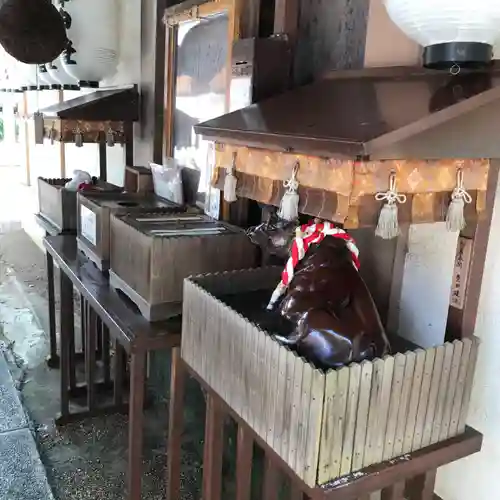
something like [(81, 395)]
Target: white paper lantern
[(94, 37), (44, 79), (452, 32), (57, 73)]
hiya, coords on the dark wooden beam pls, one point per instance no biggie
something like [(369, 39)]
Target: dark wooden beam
[(331, 35), (148, 134)]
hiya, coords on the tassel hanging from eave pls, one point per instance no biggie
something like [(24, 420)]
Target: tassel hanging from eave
[(230, 182), (455, 219), (388, 225), (78, 138), (289, 207), (110, 138)]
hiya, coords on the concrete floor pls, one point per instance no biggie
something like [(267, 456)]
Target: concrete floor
[(86, 460)]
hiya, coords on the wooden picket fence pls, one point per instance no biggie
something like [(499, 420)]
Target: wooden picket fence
[(323, 425)]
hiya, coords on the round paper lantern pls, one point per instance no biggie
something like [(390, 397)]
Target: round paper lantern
[(452, 32), (45, 79), (92, 54), (57, 73)]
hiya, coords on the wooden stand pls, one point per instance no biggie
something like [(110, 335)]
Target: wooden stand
[(106, 318), (410, 477)]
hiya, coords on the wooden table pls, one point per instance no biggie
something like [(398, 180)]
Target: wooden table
[(411, 477), (110, 314)]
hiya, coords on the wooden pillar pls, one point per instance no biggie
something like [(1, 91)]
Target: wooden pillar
[(248, 18), (286, 18), (148, 133), (330, 35), (471, 256)]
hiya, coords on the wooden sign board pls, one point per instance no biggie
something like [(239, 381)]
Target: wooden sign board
[(460, 273)]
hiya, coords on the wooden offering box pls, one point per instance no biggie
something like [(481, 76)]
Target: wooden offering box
[(325, 426), (58, 205), (151, 254), (94, 211), (138, 180)]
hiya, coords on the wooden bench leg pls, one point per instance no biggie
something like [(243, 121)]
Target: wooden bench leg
[(244, 454), (175, 425), (106, 354), (421, 487), (67, 330), (90, 361), (394, 492), (296, 494), (119, 370), (135, 425), (83, 323), (53, 361), (270, 491), (212, 456)]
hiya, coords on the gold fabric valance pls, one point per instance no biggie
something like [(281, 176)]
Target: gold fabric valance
[(343, 191)]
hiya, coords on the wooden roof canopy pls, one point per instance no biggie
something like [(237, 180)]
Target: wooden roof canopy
[(369, 112), (89, 117), (113, 104)]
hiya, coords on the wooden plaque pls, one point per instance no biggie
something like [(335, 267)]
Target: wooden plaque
[(460, 273)]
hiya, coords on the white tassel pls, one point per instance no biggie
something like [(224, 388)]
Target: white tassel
[(289, 207), (388, 225), (455, 219), (78, 138), (110, 138), (230, 182)]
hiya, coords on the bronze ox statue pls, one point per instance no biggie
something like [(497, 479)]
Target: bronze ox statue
[(32, 31), (335, 319)]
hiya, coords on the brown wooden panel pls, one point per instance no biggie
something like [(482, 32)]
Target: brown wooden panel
[(330, 36)]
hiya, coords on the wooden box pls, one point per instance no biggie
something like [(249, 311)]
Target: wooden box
[(58, 205), (151, 255), (94, 211), (325, 426), (138, 180)]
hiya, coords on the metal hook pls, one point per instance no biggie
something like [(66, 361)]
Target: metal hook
[(455, 70)]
